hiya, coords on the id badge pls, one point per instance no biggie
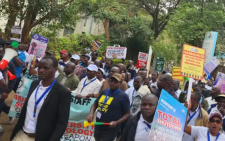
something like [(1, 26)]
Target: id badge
[(99, 114), (31, 125)]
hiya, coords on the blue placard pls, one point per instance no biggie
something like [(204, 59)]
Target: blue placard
[(169, 120)]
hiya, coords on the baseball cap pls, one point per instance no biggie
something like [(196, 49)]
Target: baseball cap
[(92, 67), (102, 70), (219, 96), (216, 114), (63, 51), (86, 55), (117, 76), (75, 57)]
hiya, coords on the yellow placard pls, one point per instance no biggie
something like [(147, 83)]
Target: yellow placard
[(192, 62), (176, 75)]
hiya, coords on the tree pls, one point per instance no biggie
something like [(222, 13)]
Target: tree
[(161, 11)]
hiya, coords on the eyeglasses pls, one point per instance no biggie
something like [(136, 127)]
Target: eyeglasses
[(217, 121)]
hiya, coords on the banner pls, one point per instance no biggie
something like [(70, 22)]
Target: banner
[(16, 33), (220, 81), (38, 46), (116, 52), (176, 75), (96, 45), (169, 120), (192, 62), (142, 59), (21, 94), (211, 65), (209, 44), (79, 110), (159, 65)]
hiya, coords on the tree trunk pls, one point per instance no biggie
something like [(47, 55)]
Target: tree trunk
[(27, 26), (106, 27), (13, 10)]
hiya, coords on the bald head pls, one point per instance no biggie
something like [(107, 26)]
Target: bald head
[(143, 74), (69, 68), (165, 82), (215, 91), (114, 70), (121, 67), (176, 84)]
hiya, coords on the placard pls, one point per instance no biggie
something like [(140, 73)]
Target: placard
[(38, 45), (96, 45), (142, 59), (16, 33), (79, 110), (192, 62), (209, 44), (220, 81), (211, 65), (176, 75), (169, 120), (21, 94), (116, 52)]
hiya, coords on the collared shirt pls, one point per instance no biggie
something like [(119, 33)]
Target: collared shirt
[(142, 130), (210, 101), (65, 78), (92, 88), (200, 133), (178, 93), (192, 122), (62, 66), (215, 110), (131, 83), (30, 107)]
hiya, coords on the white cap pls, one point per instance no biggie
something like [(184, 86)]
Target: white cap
[(102, 70), (92, 67), (75, 57)]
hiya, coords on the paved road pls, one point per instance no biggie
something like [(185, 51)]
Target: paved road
[(4, 121)]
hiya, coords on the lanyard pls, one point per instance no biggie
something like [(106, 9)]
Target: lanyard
[(106, 97), (216, 136), (132, 98), (191, 116), (84, 85), (42, 96), (148, 125)]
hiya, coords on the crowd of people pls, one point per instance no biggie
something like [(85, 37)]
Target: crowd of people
[(126, 97)]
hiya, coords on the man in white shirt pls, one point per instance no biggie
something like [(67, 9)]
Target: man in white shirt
[(214, 93), (207, 134), (135, 96), (176, 87), (139, 126), (45, 113), (197, 116), (89, 85)]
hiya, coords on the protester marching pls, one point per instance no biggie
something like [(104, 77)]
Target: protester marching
[(93, 96)]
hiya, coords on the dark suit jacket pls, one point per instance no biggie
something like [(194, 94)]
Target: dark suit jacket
[(53, 116)]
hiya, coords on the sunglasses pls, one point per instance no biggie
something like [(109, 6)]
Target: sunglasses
[(113, 80), (217, 121)]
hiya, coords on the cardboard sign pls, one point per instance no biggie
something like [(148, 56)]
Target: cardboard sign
[(38, 45), (21, 94), (16, 33), (96, 45), (169, 120), (209, 44), (142, 59), (220, 81), (192, 62), (79, 110), (116, 52), (211, 65), (176, 75)]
